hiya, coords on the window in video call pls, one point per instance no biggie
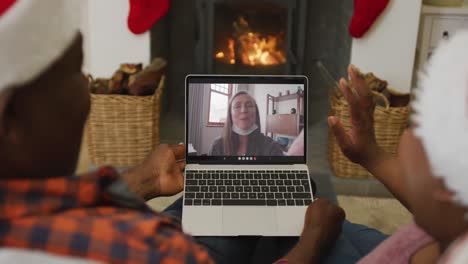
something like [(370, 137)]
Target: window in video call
[(245, 122)]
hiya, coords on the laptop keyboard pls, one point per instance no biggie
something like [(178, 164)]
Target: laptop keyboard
[(247, 187)]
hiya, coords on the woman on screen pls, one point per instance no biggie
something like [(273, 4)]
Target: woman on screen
[(241, 135)]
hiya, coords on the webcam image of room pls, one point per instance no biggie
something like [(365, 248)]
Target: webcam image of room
[(229, 119)]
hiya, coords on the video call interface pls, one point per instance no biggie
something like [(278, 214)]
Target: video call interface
[(245, 121)]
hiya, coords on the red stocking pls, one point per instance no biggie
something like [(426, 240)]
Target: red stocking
[(144, 13), (5, 5), (364, 16)]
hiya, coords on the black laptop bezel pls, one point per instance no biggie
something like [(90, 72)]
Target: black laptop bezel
[(257, 79)]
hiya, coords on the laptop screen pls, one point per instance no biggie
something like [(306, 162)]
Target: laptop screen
[(246, 119)]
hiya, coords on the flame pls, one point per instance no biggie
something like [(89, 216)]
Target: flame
[(252, 48), (231, 51)]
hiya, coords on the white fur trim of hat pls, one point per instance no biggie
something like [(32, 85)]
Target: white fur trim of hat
[(34, 34), (441, 114)]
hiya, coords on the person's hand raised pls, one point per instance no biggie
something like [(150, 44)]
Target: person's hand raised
[(358, 144)]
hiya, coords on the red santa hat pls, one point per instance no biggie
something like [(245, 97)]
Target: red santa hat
[(34, 34)]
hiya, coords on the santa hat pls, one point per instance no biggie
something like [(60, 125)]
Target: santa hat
[(441, 114), (457, 252), (34, 34)]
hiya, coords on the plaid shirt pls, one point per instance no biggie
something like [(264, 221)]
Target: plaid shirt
[(85, 217)]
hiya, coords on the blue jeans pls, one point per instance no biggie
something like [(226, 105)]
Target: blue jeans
[(354, 242)]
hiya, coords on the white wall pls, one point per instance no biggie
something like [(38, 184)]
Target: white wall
[(260, 91), (388, 49), (107, 40)]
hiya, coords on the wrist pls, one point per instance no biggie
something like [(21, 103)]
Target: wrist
[(138, 184), (373, 157)]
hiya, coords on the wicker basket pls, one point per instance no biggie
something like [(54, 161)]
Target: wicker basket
[(122, 129), (389, 124)]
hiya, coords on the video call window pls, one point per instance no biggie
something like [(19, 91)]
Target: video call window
[(231, 119)]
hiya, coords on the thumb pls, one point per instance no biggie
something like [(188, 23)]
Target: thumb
[(179, 151), (182, 165), (180, 181), (340, 133), (358, 80)]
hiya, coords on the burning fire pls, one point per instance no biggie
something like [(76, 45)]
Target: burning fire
[(252, 48)]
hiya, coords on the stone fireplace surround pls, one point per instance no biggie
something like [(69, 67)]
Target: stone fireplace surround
[(326, 39)]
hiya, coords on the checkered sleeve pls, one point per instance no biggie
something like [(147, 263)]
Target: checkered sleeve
[(176, 247), (77, 216)]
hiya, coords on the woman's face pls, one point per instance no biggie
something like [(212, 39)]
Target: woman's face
[(243, 111)]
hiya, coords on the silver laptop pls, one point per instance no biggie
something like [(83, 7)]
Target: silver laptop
[(246, 171)]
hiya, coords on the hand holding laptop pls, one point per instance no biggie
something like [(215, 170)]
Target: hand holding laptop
[(160, 174), (322, 227)]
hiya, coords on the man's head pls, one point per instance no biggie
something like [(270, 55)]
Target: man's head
[(44, 100), (434, 152)]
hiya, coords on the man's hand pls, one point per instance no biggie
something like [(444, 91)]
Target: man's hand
[(160, 174), (358, 144), (322, 227), (323, 221)]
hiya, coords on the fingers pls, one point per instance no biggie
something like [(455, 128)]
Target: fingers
[(359, 83), (340, 133), (342, 214), (348, 94), (323, 204), (179, 151), (352, 99), (359, 97), (180, 182), (182, 165)]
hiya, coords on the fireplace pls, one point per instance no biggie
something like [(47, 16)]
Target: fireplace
[(194, 32), (250, 37)]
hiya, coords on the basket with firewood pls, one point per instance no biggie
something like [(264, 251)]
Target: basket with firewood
[(123, 125), (390, 120)]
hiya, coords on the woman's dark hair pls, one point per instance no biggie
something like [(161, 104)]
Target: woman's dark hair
[(231, 139)]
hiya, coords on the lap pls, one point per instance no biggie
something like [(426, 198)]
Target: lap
[(228, 250), (354, 242)]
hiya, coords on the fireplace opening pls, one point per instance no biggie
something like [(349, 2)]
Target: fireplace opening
[(250, 37)]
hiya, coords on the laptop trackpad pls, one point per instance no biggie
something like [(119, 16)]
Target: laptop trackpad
[(245, 220)]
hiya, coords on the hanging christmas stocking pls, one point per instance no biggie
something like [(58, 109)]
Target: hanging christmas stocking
[(144, 13), (364, 16)]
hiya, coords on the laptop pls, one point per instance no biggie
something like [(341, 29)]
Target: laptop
[(246, 172)]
